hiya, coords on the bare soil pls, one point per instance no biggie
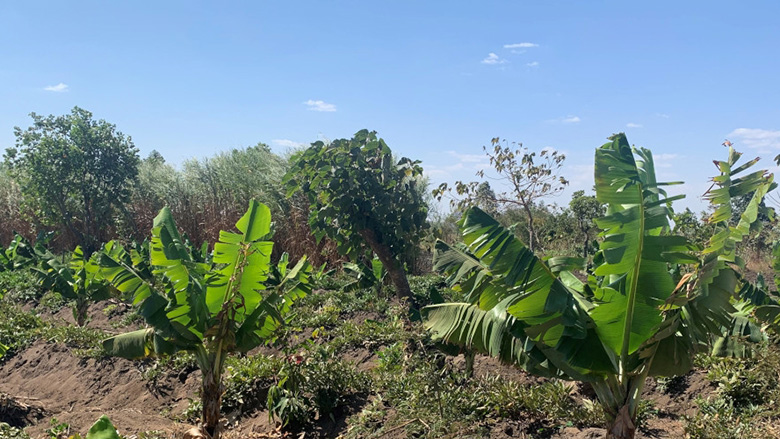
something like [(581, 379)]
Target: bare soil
[(47, 380)]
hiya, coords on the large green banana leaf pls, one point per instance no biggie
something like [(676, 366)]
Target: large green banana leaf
[(202, 297), (624, 319)]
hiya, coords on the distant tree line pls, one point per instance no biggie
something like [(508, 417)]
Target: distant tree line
[(82, 182)]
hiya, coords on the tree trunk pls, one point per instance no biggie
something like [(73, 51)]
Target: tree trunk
[(622, 427), (211, 397), (531, 230), (585, 247), (394, 268)]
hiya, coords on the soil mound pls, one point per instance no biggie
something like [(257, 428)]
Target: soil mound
[(78, 390)]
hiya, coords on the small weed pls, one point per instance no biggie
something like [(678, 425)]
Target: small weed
[(57, 429), (8, 432), (130, 318)]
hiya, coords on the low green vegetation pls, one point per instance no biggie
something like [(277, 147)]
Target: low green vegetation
[(583, 305)]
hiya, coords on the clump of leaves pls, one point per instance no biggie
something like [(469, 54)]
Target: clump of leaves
[(363, 199), (720, 419), (313, 385), (9, 432), (20, 286), (86, 342), (18, 328)]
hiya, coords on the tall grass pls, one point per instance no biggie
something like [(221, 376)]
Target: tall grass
[(12, 217), (211, 194)]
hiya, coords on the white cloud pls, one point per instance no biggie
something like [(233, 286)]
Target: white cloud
[(320, 106), (520, 46), (665, 160), (468, 158), (533, 64), (634, 125), (662, 115), (59, 88), (571, 119), (492, 58), (287, 143), (458, 164), (764, 140)]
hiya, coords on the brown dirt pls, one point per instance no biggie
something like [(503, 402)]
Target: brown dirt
[(78, 391), (98, 318), (47, 381)]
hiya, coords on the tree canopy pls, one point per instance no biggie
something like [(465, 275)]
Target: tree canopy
[(363, 198), (74, 172)]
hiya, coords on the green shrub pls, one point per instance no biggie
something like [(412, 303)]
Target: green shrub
[(313, 385), (53, 301), (18, 329), (20, 286)]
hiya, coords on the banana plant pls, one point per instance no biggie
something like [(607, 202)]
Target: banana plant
[(651, 302), (210, 306), (20, 254), (77, 280)]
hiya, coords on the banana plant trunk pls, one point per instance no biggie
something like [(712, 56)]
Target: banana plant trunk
[(211, 398), (623, 426), (80, 310)]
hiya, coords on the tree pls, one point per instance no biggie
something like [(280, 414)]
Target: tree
[(206, 305), (75, 172), (363, 199), (585, 209), (528, 177), (633, 317)]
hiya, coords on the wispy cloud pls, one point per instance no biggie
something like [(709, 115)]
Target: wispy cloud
[(533, 64), (59, 88), (492, 58), (634, 125), (320, 106), (520, 45), (665, 160), (763, 140), (458, 163), (571, 119), (287, 143), (662, 115)]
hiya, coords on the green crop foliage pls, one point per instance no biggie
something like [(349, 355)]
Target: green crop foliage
[(632, 317), (210, 305)]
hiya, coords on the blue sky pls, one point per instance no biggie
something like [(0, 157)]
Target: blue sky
[(436, 79)]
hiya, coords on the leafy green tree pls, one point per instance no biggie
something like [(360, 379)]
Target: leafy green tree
[(75, 172), (208, 306), (363, 199), (585, 209), (633, 317), (695, 228), (529, 178)]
